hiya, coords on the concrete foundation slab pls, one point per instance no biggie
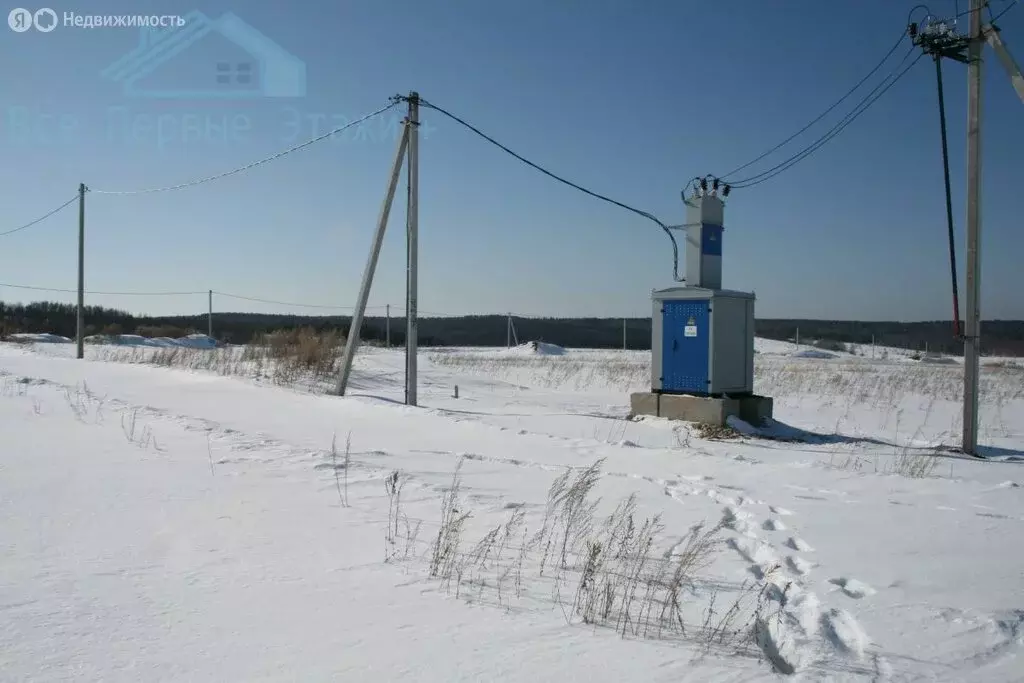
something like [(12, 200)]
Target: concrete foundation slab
[(755, 410), (702, 409), (644, 403)]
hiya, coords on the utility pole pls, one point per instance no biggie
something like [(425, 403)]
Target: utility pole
[(387, 326), (972, 328), (209, 317), (352, 341), (508, 331), (80, 317), (412, 229), (623, 334)]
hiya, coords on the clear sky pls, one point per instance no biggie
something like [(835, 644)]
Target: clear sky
[(629, 97)]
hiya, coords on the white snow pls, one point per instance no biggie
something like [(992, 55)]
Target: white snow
[(39, 338), (192, 341), (193, 522), (537, 348)]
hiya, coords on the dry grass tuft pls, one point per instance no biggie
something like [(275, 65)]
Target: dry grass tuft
[(713, 432)]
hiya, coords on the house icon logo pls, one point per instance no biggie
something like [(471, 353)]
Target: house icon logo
[(223, 58)]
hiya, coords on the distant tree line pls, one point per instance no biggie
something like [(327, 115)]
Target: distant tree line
[(1000, 337)]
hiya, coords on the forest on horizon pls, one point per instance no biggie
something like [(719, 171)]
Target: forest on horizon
[(999, 337)]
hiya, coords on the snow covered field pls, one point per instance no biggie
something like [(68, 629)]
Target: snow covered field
[(186, 517)]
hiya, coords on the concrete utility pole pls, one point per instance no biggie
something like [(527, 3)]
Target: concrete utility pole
[(623, 334), (80, 317), (972, 326), (352, 342), (209, 317), (412, 229), (387, 326)]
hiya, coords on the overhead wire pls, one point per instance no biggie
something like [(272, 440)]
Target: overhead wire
[(75, 291), (254, 164), (564, 181), (41, 218), (1006, 9), (828, 111), (286, 303), (873, 96)]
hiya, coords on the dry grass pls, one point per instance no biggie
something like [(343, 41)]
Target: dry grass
[(713, 432), (289, 357), (606, 573), (878, 384)]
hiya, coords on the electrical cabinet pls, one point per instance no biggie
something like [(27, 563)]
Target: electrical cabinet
[(702, 342)]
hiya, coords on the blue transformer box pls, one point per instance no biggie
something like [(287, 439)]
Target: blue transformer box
[(702, 335), (702, 342)]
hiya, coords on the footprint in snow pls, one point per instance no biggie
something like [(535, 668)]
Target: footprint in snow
[(799, 565), (843, 631), (782, 512), (799, 544), (772, 524), (853, 587)]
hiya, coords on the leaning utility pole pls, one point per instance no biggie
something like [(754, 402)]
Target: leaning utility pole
[(972, 328), (80, 317), (412, 230), (352, 341)]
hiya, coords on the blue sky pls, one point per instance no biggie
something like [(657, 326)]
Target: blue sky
[(629, 98)]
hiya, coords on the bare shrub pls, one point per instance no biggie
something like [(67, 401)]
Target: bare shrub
[(293, 354)]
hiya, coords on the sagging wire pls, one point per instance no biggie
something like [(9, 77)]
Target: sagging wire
[(639, 212)]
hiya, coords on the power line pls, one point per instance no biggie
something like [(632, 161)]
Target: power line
[(872, 97), (254, 164), (75, 291), (41, 218), (286, 303), (1005, 10), (825, 113), (645, 214)]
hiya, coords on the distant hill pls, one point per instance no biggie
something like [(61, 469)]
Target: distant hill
[(999, 337)]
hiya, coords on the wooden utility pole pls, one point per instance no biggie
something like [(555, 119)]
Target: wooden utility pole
[(80, 317), (209, 317), (387, 326)]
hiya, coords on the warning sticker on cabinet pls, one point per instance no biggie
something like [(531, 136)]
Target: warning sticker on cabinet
[(691, 328)]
